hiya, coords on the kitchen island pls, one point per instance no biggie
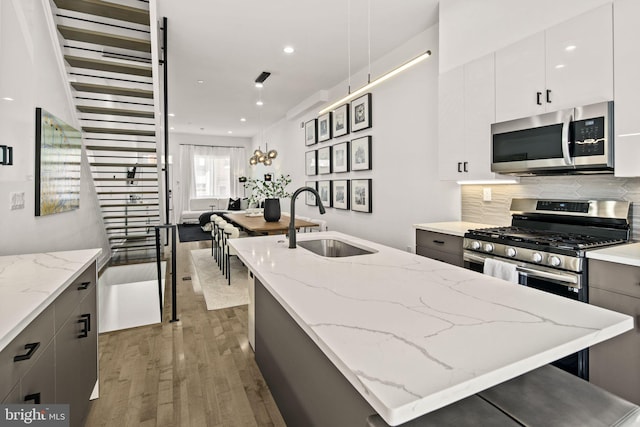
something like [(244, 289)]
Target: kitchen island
[(411, 334)]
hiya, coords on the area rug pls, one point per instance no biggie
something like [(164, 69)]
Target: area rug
[(192, 233), (209, 278)]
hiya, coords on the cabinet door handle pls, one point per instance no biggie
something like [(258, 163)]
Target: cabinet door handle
[(538, 95), (460, 167), (549, 96), (465, 167), (439, 242), (83, 286), (35, 397), (86, 325), (31, 349)]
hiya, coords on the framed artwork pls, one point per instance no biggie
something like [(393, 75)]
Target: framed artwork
[(324, 127), (310, 164), (324, 189), (361, 113), (311, 132), (341, 121), (57, 165), (361, 195), (340, 193), (310, 198), (340, 157), (324, 160), (361, 154)]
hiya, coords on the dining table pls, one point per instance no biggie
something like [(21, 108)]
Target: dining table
[(258, 225)]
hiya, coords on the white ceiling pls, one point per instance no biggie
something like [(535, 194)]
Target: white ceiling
[(228, 43)]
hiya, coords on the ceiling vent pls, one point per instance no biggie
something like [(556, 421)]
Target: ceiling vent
[(263, 76)]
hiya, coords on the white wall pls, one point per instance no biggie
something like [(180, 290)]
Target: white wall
[(31, 75), (175, 140), (470, 29), (406, 189)]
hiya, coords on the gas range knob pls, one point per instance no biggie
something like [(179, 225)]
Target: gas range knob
[(554, 261), (511, 252), (488, 247), (536, 257), (475, 245)]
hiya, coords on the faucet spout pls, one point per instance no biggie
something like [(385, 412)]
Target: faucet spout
[(292, 217)]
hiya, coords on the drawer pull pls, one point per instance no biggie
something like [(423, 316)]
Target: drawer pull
[(35, 397), (83, 286), (439, 242), (86, 325), (32, 347)]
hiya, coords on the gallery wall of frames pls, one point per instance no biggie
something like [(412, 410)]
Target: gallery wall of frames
[(335, 147)]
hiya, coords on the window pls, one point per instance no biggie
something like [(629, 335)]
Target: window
[(212, 175)]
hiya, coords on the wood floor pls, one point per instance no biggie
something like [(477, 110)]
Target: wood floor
[(197, 372)]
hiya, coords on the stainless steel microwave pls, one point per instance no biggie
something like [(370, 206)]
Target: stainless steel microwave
[(575, 140)]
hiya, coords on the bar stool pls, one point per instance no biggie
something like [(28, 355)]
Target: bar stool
[(322, 225), (212, 220), (230, 232), (220, 245), (216, 226)]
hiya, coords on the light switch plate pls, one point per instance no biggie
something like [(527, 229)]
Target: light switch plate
[(486, 194), (16, 200)]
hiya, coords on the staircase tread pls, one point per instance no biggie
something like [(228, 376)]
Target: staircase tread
[(106, 9), (111, 66), (117, 131), (116, 148), (114, 111), (113, 90), (106, 39)]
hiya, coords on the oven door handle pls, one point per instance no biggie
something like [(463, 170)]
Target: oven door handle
[(568, 279)]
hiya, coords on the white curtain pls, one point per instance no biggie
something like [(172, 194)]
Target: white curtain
[(210, 172)]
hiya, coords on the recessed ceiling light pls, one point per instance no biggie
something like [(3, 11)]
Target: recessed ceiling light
[(242, 119), (259, 103), (6, 98), (171, 115), (288, 49), (200, 81), (259, 85), (570, 48), (559, 66), (229, 131), (171, 128)]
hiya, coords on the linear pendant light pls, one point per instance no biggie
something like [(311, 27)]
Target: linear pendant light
[(377, 81)]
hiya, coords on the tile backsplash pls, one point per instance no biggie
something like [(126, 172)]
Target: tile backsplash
[(573, 187)]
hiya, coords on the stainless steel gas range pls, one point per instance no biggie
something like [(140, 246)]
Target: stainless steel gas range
[(547, 241)]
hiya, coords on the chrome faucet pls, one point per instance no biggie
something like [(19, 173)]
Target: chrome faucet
[(292, 217)]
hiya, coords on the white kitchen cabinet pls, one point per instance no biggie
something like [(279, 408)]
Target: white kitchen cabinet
[(627, 89), (568, 65), (467, 109)]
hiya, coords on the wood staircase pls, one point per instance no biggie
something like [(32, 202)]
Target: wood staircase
[(107, 52)]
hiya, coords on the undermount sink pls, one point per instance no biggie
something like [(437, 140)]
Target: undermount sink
[(333, 248)]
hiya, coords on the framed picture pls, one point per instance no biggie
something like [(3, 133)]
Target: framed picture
[(311, 132), (340, 157), (340, 193), (57, 166), (341, 121), (324, 127), (361, 195), (310, 164), (324, 160), (361, 154), (324, 189), (361, 113), (310, 198)]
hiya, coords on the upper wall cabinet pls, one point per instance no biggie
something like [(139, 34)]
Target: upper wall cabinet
[(568, 65), (627, 90), (466, 111)]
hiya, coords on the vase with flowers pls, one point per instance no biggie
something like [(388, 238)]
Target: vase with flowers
[(270, 192)]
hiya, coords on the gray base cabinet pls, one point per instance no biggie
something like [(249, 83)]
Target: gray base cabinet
[(307, 387), (439, 246), (615, 364), (57, 353)]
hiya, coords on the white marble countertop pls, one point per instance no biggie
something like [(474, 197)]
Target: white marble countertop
[(621, 254), (29, 283), (412, 334), (455, 228)]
